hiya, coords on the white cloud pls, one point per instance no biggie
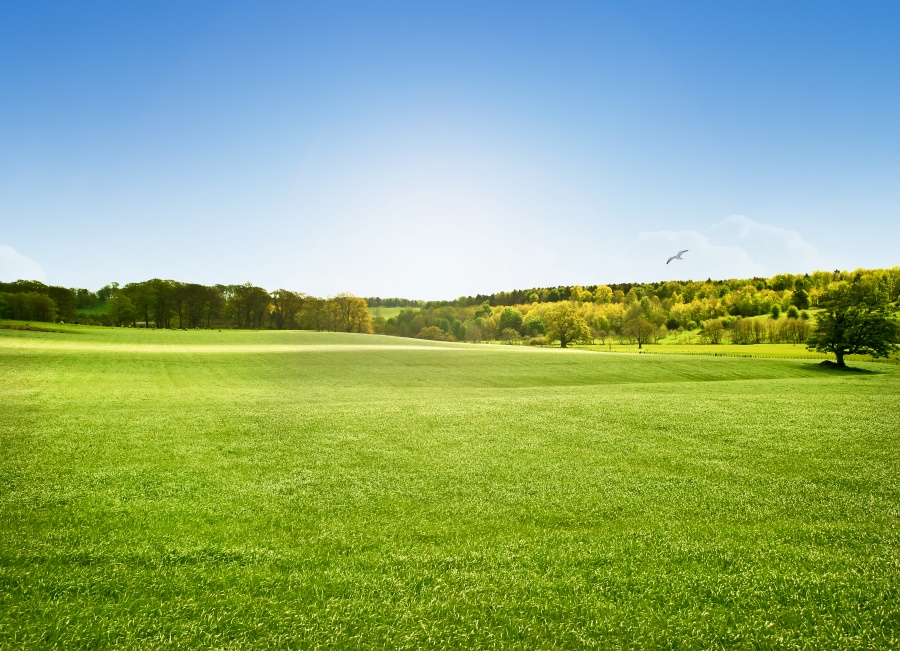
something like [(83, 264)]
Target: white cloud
[(736, 247), (15, 266)]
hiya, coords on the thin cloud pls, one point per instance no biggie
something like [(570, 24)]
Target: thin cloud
[(15, 266), (736, 247)]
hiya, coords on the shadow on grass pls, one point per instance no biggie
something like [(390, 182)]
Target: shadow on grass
[(827, 366), (31, 328)]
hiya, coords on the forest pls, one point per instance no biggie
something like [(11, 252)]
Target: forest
[(719, 310)]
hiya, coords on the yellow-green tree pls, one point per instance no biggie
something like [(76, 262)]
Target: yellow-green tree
[(565, 325), (856, 319)]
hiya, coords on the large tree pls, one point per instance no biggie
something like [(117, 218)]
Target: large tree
[(855, 319), (285, 307), (640, 330), (565, 325)]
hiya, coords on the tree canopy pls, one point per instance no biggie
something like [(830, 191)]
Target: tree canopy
[(855, 319), (723, 310), (565, 325)]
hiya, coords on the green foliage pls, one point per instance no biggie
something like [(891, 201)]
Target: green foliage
[(510, 318), (534, 325), (713, 331), (28, 306), (432, 333), (800, 299), (856, 318), (640, 330), (509, 335), (565, 325), (121, 310)]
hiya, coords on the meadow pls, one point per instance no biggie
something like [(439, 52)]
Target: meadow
[(286, 489)]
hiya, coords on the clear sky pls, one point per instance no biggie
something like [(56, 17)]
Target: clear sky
[(438, 149)]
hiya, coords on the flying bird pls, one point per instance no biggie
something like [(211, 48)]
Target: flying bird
[(677, 256)]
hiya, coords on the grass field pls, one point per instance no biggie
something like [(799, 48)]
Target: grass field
[(388, 312), (240, 490), (771, 351)]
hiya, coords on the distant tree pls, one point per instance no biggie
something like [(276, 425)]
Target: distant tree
[(800, 299), (776, 311), (314, 314), (580, 294), (107, 292), (215, 303), (855, 319), (759, 330), (286, 305), (713, 331), (473, 332), (660, 333), (84, 298), (534, 325), (28, 306), (458, 329), (162, 292), (510, 318), (565, 325), (639, 330), (603, 294), (358, 317), (742, 332), (485, 310), (65, 303), (509, 335), (141, 295), (433, 333), (121, 310)]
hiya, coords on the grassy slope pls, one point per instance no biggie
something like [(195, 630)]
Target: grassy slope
[(474, 497), (388, 312)]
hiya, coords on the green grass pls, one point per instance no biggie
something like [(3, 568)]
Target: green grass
[(101, 309), (248, 490), (779, 351), (388, 312), (770, 351)]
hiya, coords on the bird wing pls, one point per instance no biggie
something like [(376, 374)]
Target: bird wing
[(670, 259), (680, 252)]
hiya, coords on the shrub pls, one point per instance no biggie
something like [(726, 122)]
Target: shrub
[(433, 333), (509, 335)]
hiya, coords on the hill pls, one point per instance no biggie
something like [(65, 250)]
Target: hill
[(244, 489)]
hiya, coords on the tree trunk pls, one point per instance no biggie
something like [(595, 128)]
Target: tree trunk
[(840, 358)]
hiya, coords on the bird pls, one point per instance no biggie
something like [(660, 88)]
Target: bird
[(677, 256)]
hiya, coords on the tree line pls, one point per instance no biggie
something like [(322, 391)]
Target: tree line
[(718, 311), (746, 297), (172, 304)]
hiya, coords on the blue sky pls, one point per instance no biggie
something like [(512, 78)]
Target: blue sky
[(432, 150)]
